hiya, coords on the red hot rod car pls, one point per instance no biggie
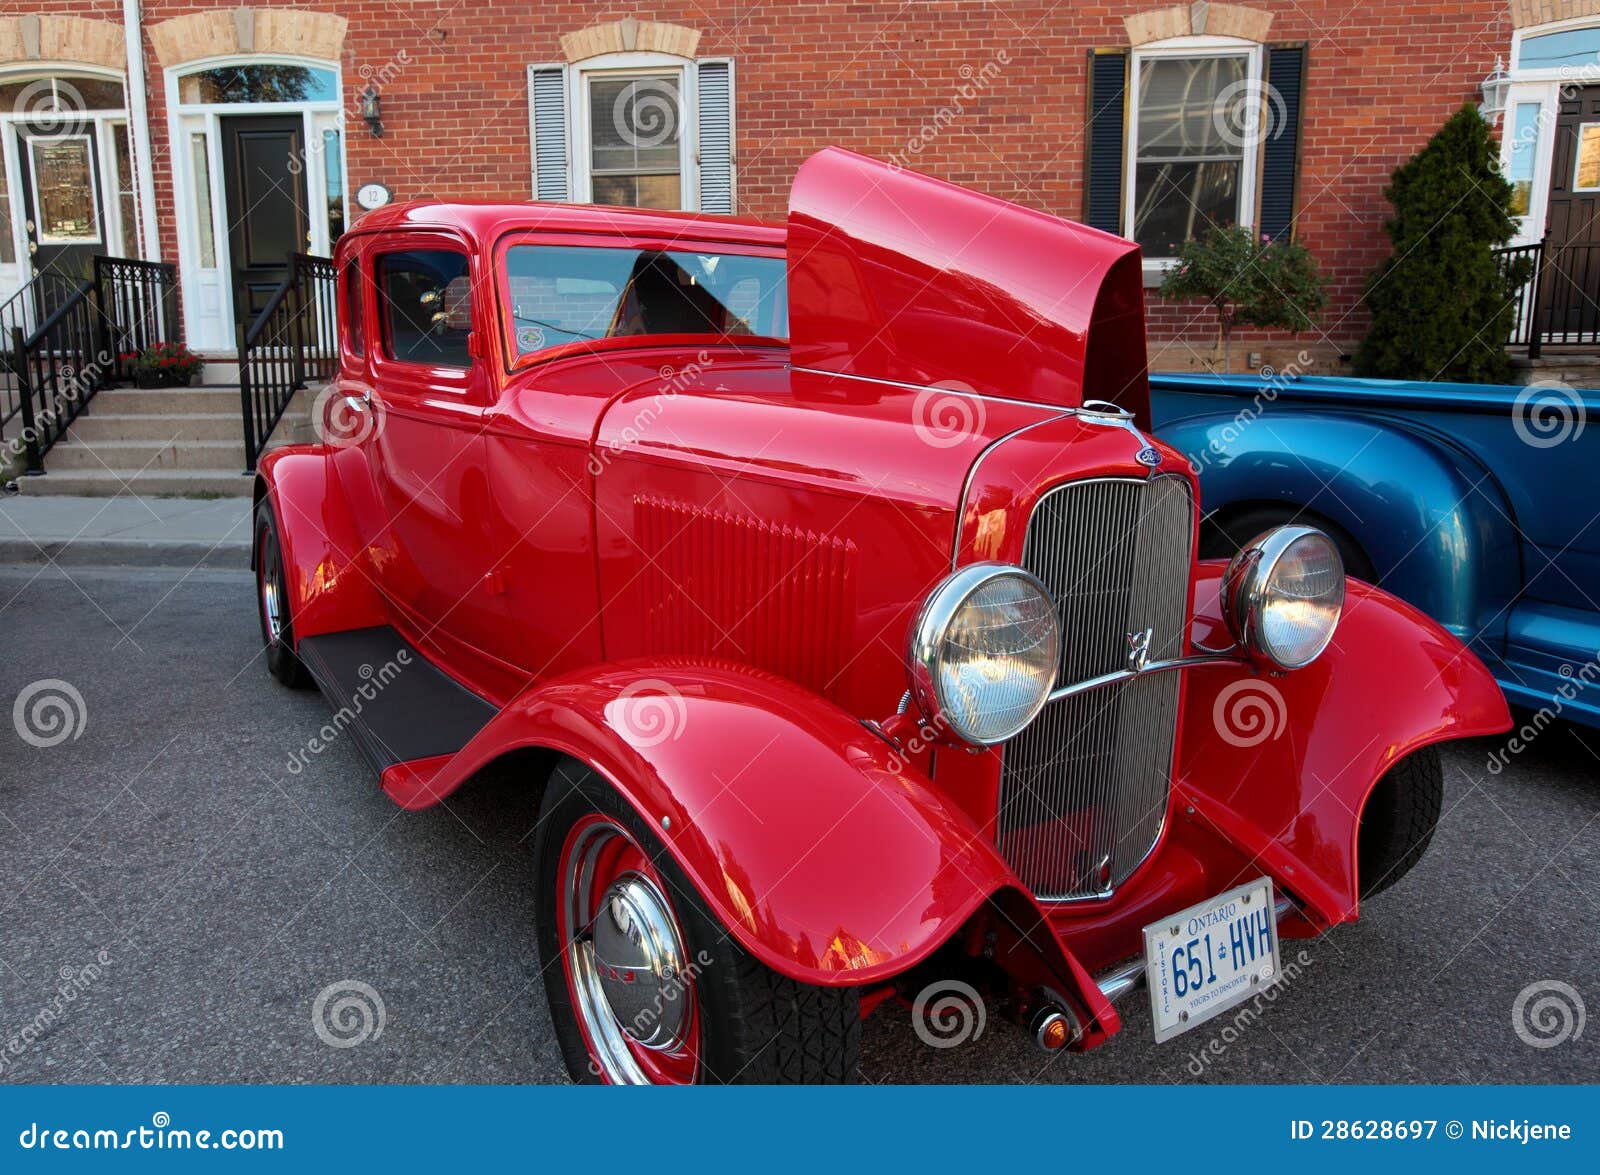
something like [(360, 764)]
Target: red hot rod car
[(827, 580)]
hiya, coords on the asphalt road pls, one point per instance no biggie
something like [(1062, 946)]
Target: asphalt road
[(194, 895)]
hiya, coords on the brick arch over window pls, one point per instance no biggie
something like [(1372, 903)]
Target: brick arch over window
[(1531, 12), (231, 31), (630, 36), (64, 40), (1201, 19)]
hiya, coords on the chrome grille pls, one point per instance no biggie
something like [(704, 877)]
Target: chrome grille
[(1083, 791)]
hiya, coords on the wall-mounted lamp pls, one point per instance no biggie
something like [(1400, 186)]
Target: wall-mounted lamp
[(1495, 88), (372, 111)]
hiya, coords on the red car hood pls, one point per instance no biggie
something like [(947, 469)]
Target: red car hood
[(897, 276)]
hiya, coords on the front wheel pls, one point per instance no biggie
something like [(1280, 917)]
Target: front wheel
[(646, 987), (1398, 820)]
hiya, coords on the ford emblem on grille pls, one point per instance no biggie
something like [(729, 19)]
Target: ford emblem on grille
[(1149, 455)]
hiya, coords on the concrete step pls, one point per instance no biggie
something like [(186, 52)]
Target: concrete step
[(175, 483), (129, 455), (169, 401), (95, 426)]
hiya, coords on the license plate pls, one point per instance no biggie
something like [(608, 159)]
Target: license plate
[(1210, 957)]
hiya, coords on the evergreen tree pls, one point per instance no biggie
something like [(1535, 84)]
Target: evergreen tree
[(1441, 305)]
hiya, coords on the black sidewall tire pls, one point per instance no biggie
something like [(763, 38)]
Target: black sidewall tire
[(756, 1027), (281, 660)]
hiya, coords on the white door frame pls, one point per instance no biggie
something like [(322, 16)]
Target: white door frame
[(208, 290), (13, 276)]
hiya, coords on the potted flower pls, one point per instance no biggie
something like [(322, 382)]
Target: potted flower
[(164, 365)]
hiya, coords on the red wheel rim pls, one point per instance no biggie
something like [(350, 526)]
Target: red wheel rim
[(597, 855)]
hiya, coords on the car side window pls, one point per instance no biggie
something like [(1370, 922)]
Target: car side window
[(425, 307), (355, 327)]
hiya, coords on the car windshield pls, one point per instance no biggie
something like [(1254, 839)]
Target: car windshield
[(563, 294)]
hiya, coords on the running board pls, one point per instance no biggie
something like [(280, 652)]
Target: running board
[(395, 703)]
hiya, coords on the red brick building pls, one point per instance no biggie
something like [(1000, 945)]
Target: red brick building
[(220, 137)]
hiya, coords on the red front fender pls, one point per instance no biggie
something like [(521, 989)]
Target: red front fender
[(827, 857), (1282, 765)]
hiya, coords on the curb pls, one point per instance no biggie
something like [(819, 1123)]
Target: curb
[(233, 555)]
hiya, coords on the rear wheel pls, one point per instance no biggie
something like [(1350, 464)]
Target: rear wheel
[(1399, 819), (1222, 539), (272, 602), (646, 987)]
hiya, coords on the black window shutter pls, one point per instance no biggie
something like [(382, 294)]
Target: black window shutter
[(1280, 150), (1108, 103)]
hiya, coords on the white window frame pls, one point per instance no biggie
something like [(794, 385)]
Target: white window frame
[(1156, 267), (1546, 96), (580, 148), (1557, 73)]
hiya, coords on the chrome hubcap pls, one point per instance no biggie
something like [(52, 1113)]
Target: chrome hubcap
[(271, 591), (629, 983)]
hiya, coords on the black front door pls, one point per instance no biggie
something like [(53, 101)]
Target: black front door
[(64, 205), (265, 176), (1571, 283)]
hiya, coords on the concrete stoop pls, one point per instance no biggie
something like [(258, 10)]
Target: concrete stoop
[(155, 442), (181, 442), (1578, 369)]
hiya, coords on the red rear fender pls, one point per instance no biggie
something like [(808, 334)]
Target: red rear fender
[(330, 586)]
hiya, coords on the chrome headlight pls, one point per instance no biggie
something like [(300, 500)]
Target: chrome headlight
[(983, 652), (1282, 595)]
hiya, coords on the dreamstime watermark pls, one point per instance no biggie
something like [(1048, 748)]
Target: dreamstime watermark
[(646, 114), (1548, 413), (1249, 712), (344, 421), (1249, 112), (48, 712), (51, 107), (1573, 682), (75, 982), (673, 987), (160, 1135), (974, 82), (651, 712), (373, 682), (1245, 1017), (948, 1013), (1548, 1013), (1220, 441), (347, 1013), (69, 387), (674, 382), (947, 413)]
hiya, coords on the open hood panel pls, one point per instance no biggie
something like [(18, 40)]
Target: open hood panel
[(898, 276)]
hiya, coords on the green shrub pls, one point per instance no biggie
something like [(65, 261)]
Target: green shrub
[(1441, 305), (1248, 280)]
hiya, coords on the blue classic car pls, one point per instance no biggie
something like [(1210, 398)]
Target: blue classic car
[(1478, 504)]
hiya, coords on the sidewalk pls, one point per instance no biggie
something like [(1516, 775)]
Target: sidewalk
[(126, 530)]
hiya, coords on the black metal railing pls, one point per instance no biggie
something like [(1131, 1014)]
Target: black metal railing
[(1525, 323), (1559, 302), (292, 342), (65, 340), (138, 308), (57, 368), (26, 309)]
